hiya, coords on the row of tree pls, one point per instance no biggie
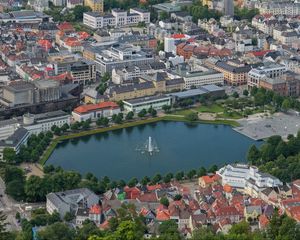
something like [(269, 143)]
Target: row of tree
[(31, 152), (278, 157), (35, 188)]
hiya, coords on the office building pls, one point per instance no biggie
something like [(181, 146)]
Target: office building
[(120, 56), (117, 18), (228, 8), (155, 102), (95, 5)]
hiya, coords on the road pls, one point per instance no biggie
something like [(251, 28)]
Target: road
[(10, 207)]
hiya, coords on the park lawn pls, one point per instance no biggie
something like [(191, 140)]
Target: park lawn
[(184, 112), (234, 115), (214, 108)]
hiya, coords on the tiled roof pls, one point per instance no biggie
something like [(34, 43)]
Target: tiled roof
[(95, 107)]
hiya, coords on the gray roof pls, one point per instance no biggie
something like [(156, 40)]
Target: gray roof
[(14, 140), (146, 99), (234, 69), (188, 93)]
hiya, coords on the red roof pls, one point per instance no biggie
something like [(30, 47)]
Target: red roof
[(148, 197), (153, 187), (263, 221), (162, 213), (95, 107), (209, 179), (227, 211), (95, 209), (65, 26), (260, 53), (178, 35)]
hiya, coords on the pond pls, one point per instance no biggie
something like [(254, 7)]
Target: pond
[(182, 147)]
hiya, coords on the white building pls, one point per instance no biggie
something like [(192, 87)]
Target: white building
[(37, 123), (34, 123), (95, 111), (117, 18), (171, 41), (15, 141), (247, 178), (269, 70), (73, 3), (137, 104), (8, 127), (70, 201), (199, 76), (39, 5), (279, 8)]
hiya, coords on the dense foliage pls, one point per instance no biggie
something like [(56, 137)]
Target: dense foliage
[(278, 157)]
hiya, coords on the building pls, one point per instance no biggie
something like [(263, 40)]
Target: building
[(205, 90), (198, 77), (95, 111), (268, 70), (228, 8), (73, 3), (247, 178), (8, 127), (82, 71), (42, 122), (15, 141), (287, 84), (70, 201), (155, 102), (39, 5), (117, 18), (279, 8), (121, 56), (235, 73), (95, 5), (18, 93), (24, 16)]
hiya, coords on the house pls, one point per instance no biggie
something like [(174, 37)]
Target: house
[(95, 111), (251, 213), (208, 180), (229, 212), (70, 201), (263, 221)]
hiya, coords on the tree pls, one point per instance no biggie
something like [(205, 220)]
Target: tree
[(142, 113), (65, 127), (246, 92), (56, 231), (79, 10), (132, 182), (9, 155), (163, 15), (192, 117), (235, 95), (213, 169), (164, 201), (286, 105), (15, 189), (191, 173), (253, 154), (129, 230), (145, 180), (86, 125), (69, 216), (121, 105), (3, 224), (179, 176), (166, 108), (202, 172), (169, 230), (177, 197), (156, 178), (129, 115)]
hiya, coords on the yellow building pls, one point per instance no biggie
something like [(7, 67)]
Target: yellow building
[(95, 5), (207, 3)]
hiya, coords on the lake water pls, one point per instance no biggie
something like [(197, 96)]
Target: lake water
[(182, 146)]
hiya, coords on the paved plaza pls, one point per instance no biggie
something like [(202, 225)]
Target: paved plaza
[(260, 127)]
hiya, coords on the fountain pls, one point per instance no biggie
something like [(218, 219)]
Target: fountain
[(149, 147)]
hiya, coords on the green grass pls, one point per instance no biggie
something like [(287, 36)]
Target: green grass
[(184, 112), (214, 108), (233, 115)]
